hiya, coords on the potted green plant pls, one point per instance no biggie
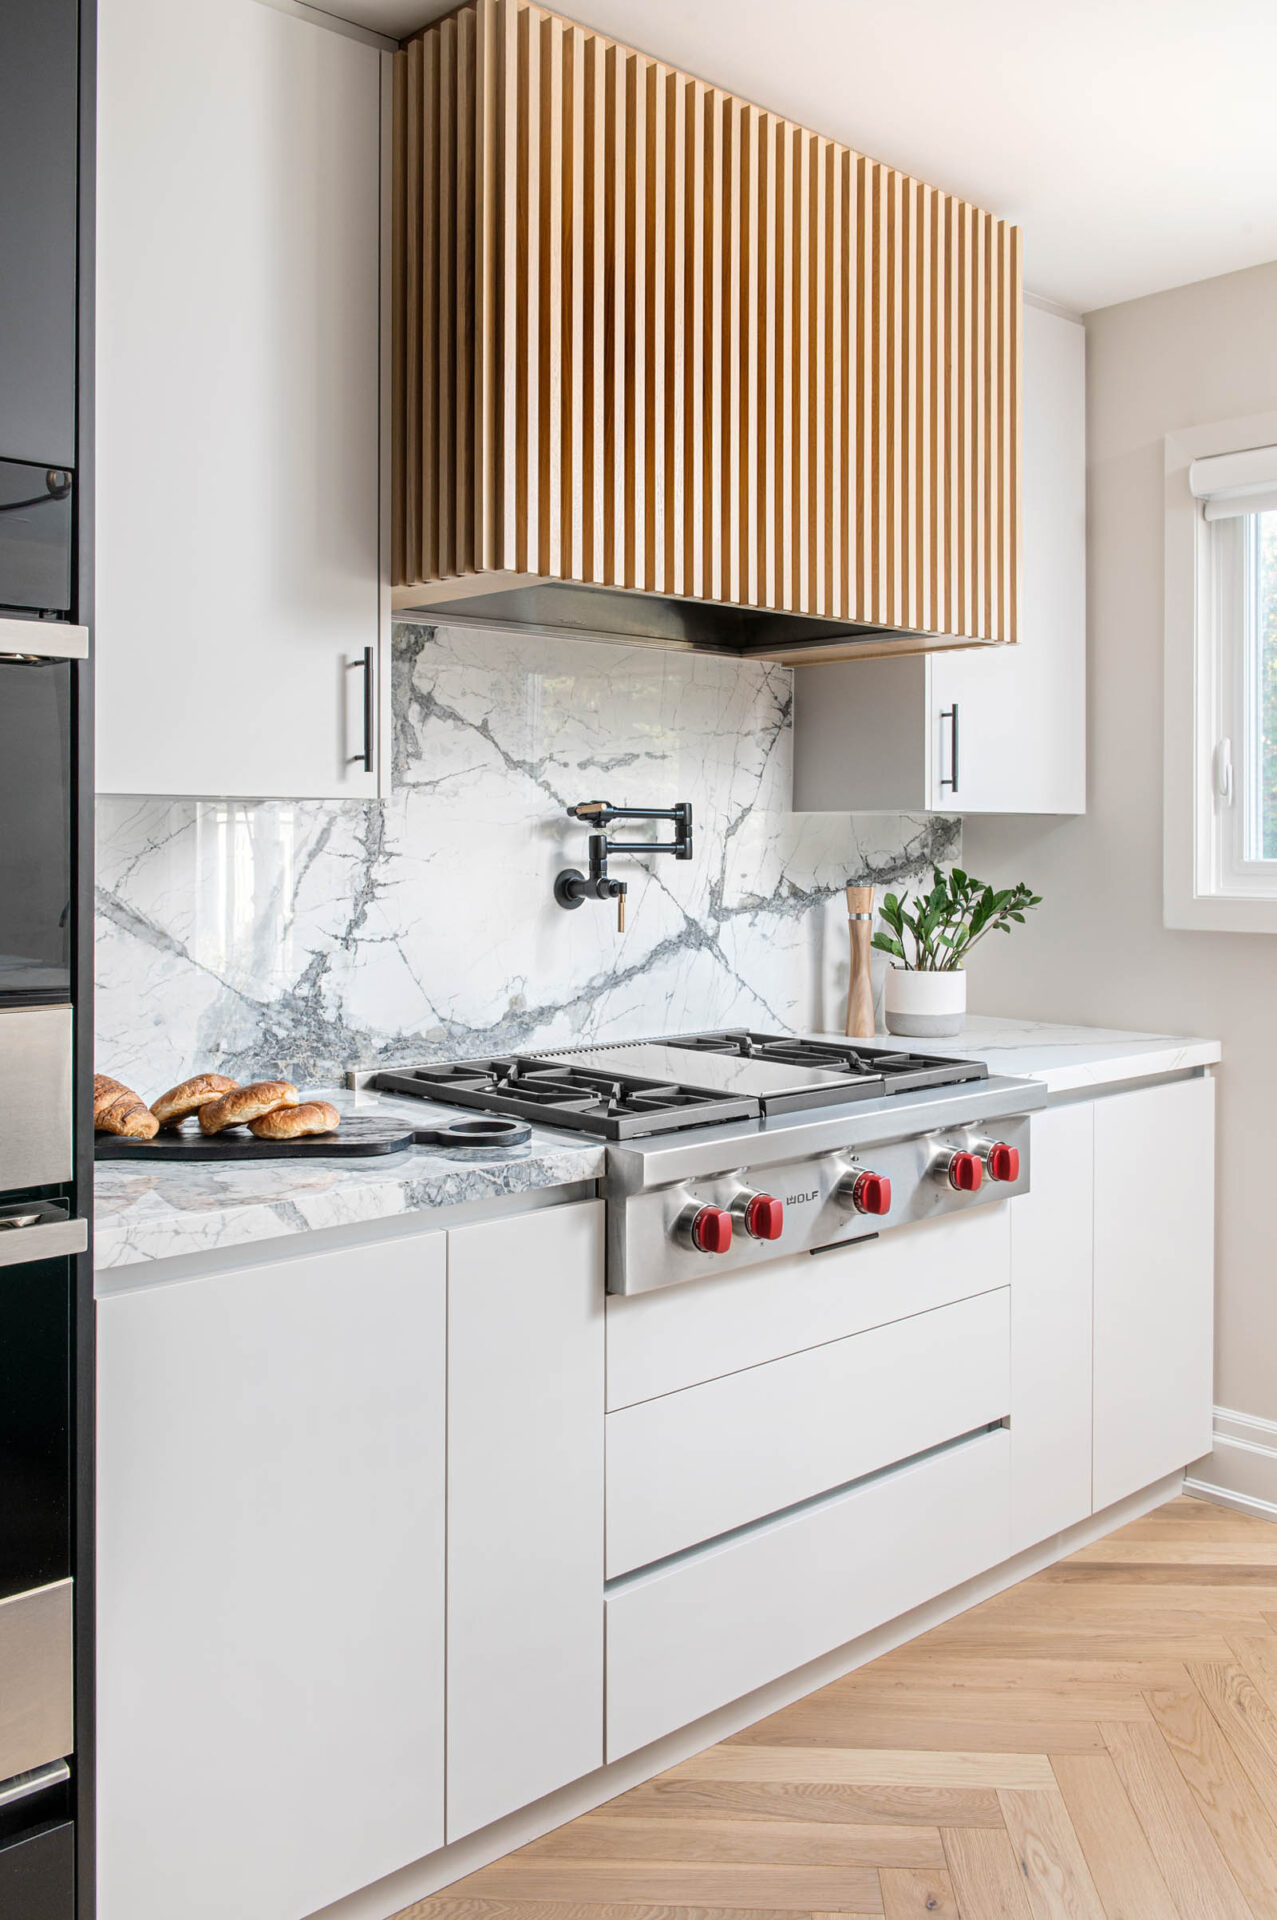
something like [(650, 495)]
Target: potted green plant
[(929, 937)]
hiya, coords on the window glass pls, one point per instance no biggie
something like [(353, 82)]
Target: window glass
[(1261, 689)]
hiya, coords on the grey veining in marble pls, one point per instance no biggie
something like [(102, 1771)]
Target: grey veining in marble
[(145, 1212), (305, 937)]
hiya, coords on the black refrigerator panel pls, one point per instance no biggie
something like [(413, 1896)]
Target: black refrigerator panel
[(38, 132), (35, 1408), (37, 1875), (36, 528)]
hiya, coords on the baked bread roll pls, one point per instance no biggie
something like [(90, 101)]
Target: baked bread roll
[(237, 1109), (179, 1103), (291, 1123), (129, 1116), (105, 1093)]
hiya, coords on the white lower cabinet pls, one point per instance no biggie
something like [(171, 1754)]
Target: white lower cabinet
[(525, 1509), (1051, 1279), (270, 1583), (1154, 1242), (692, 1636), (301, 1690), (690, 1466), (676, 1337)]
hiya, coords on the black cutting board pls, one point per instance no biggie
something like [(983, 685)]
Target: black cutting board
[(360, 1137)]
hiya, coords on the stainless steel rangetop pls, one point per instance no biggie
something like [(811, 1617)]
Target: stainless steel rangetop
[(747, 1079)]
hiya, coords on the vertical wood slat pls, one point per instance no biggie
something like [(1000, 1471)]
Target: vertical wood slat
[(572, 503), (549, 553), (445, 312), (735, 157), (654, 482), (596, 303), (636, 261), (694, 358), (649, 335), (401, 560)]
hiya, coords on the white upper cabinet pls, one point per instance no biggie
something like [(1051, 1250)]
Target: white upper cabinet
[(985, 729), (239, 244)]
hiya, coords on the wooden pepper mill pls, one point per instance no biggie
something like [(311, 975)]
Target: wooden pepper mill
[(860, 993)]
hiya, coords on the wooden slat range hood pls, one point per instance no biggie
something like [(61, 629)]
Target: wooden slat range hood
[(669, 366)]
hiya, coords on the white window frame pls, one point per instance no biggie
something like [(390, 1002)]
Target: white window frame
[(1206, 883)]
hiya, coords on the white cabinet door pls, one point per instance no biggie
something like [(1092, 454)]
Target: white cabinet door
[(1154, 1243), (881, 733), (1051, 1276), (237, 569), (270, 1583), (1019, 713), (707, 1628), (696, 1465), (525, 1509)]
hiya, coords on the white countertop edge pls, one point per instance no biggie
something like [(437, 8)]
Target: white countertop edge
[(1066, 1058)]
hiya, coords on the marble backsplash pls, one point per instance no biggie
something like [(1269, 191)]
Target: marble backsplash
[(304, 937)]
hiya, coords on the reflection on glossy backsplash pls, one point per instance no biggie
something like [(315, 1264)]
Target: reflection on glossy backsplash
[(302, 937)]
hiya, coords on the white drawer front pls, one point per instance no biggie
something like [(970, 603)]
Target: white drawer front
[(672, 1338), (694, 1636), (695, 1464)]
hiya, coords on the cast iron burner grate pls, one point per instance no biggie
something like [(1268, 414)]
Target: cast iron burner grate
[(616, 1106), (902, 1072)]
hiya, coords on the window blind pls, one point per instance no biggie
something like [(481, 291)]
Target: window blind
[(1234, 483)]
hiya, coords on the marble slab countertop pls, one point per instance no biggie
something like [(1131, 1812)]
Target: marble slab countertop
[(147, 1212), (1068, 1059)]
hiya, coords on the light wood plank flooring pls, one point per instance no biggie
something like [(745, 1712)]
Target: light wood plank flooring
[(1097, 1743)]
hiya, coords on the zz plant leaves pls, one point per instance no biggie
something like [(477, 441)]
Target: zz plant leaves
[(933, 932)]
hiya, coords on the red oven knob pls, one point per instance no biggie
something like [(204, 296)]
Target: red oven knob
[(871, 1193), (710, 1229), (1002, 1161), (963, 1171), (764, 1216)]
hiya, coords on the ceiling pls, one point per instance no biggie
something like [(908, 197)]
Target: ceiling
[(1132, 139)]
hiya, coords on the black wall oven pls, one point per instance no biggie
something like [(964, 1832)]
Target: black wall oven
[(40, 1235), (47, 63)]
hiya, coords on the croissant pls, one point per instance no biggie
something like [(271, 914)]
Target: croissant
[(129, 1116), (105, 1093), (247, 1103), (180, 1102), (290, 1123)]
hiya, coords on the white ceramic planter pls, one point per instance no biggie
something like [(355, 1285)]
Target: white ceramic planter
[(925, 1006)]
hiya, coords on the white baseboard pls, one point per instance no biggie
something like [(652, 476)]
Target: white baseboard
[(1241, 1468), (424, 1877)]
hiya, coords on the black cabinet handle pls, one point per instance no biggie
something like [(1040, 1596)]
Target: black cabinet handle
[(364, 666), (951, 715)]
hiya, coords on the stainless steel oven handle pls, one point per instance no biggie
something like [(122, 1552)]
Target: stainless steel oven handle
[(47, 1240), (43, 639), (22, 1785)]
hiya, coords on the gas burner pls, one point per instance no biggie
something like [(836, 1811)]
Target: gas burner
[(617, 1106), (625, 1091), (897, 1071)]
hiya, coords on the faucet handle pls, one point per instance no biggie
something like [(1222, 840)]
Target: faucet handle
[(620, 906)]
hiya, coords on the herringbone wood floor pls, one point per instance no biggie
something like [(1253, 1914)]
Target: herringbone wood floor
[(1097, 1743)]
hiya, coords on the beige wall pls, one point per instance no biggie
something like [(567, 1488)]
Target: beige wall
[(1097, 951)]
